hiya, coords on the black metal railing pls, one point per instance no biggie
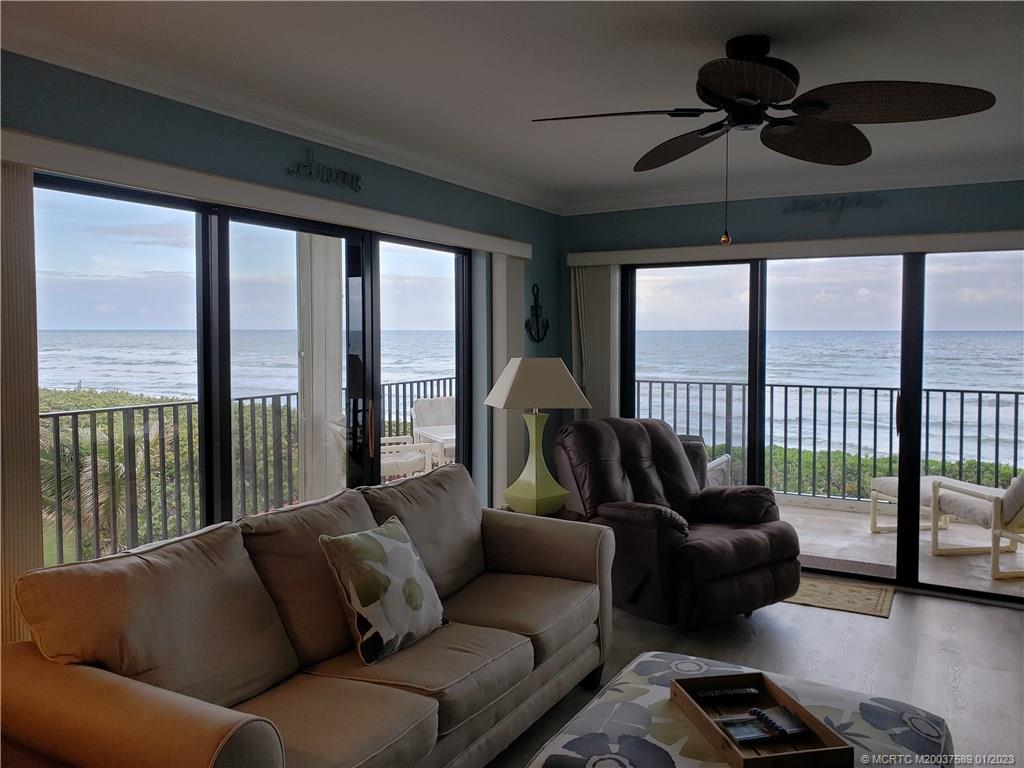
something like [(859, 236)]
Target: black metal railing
[(397, 398), (826, 440), (117, 477)]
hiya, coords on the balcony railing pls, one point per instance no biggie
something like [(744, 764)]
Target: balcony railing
[(117, 477), (824, 440)]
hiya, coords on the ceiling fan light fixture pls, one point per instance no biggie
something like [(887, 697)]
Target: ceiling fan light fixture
[(781, 127)]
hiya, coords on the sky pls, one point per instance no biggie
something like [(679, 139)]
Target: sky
[(963, 291), (107, 264)]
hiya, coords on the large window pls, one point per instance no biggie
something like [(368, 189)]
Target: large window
[(418, 359), (200, 363), (973, 409), (119, 424), (832, 382), (860, 375), (691, 356)]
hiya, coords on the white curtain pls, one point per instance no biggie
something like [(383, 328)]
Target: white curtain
[(595, 337)]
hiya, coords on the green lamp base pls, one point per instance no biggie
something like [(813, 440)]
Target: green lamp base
[(536, 492)]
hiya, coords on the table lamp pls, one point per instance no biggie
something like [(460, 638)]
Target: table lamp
[(532, 383)]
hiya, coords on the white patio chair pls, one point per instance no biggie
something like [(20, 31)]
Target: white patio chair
[(1001, 511), (886, 489), (434, 412), (399, 457)]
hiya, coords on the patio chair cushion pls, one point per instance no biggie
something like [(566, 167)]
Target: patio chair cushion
[(1013, 503), (285, 548), (442, 513), (189, 615), (959, 505)]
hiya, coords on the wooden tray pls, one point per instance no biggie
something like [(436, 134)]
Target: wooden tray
[(820, 748)]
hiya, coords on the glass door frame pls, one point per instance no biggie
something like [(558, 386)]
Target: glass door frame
[(909, 412), (463, 343), (754, 448)]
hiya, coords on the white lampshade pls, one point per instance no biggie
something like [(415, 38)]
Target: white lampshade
[(536, 382)]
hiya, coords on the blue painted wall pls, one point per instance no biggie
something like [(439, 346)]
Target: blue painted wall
[(963, 208)]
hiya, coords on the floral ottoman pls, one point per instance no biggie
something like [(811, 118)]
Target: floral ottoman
[(632, 722)]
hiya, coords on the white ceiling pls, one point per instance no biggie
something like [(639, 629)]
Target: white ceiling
[(449, 88)]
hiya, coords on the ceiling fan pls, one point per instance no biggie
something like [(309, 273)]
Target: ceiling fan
[(748, 84)]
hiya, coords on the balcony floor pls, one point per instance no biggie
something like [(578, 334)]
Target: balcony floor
[(844, 534)]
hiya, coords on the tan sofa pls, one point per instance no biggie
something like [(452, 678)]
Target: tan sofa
[(228, 647)]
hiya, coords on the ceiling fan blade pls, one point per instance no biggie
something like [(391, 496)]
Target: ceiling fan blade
[(739, 80), (891, 101), (678, 112), (673, 149), (816, 140)]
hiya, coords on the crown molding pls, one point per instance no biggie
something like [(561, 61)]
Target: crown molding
[(228, 101), (221, 99)]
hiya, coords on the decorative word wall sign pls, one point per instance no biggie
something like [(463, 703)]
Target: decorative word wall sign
[(312, 169), (834, 204)]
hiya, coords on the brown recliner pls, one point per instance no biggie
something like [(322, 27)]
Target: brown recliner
[(684, 552)]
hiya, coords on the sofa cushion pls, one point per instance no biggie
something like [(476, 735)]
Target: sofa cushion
[(463, 667), (189, 615), (442, 513), (714, 550), (391, 601), (285, 548), (330, 723), (551, 612)]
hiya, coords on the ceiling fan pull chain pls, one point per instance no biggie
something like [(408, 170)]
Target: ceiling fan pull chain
[(726, 237)]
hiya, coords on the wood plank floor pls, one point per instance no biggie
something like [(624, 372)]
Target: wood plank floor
[(963, 661), (845, 535)]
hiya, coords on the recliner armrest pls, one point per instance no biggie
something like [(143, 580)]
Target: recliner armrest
[(87, 716), (643, 515), (737, 504)]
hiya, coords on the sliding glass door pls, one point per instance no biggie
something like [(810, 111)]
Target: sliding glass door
[(864, 380), (832, 362), (200, 363), (973, 413), (290, 359), (420, 400)]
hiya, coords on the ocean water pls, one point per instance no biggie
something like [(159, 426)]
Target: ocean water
[(266, 362), (988, 360), (163, 363)]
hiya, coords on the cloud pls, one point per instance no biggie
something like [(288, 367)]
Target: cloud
[(170, 234), (863, 296), (973, 296)]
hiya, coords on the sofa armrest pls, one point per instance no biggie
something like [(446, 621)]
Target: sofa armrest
[(643, 515), (87, 716), (563, 549), (736, 504)]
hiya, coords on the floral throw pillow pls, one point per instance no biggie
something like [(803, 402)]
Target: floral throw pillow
[(391, 600)]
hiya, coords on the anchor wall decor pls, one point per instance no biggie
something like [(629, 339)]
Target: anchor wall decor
[(536, 326)]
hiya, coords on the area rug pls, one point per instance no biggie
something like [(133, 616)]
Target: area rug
[(844, 595)]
